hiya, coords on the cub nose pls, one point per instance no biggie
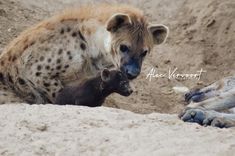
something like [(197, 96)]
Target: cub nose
[(130, 91)]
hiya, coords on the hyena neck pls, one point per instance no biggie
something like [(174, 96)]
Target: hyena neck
[(102, 47), (99, 88), (105, 90)]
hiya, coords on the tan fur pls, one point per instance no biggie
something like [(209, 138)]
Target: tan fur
[(85, 13), (68, 47)]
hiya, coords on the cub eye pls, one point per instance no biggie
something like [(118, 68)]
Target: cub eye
[(144, 53), (120, 75), (122, 83), (124, 48)]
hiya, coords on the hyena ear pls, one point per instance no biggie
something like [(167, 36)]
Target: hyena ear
[(105, 75), (159, 33), (117, 21)]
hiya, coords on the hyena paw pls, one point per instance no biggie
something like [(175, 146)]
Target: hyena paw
[(194, 96), (197, 115), (223, 122)]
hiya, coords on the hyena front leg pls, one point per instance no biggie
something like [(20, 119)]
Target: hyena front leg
[(205, 113), (223, 101), (226, 121), (203, 104), (215, 89), (8, 96)]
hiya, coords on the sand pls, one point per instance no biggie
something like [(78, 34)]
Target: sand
[(48, 130)]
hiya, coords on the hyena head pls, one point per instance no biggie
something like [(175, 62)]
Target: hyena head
[(116, 81), (131, 39)]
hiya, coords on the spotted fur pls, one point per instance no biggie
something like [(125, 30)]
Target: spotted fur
[(76, 44)]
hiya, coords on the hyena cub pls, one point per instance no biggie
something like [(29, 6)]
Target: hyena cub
[(93, 91)]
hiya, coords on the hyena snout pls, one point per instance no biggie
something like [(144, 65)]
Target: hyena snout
[(132, 72), (132, 69), (125, 89)]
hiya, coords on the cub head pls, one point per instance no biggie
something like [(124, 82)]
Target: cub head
[(116, 81), (132, 38)]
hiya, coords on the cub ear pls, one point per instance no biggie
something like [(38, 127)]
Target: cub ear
[(117, 21), (159, 33), (105, 75)]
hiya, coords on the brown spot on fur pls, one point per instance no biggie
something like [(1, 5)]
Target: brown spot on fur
[(66, 66), (46, 84), (21, 81), (41, 58), (39, 67), (9, 58), (58, 61), (49, 60), (62, 31), (1, 77), (38, 73), (10, 78), (2, 63), (70, 57), (83, 46), (58, 67), (60, 51), (74, 34), (68, 29), (53, 94), (13, 58), (47, 67), (54, 76), (32, 43)]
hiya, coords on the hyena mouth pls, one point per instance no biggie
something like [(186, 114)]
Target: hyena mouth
[(130, 72), (131, 77)]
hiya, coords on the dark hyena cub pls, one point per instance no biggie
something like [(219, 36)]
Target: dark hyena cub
[(93, 92)]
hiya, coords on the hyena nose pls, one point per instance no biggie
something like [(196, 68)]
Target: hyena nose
[(129, 91), (132, 72)]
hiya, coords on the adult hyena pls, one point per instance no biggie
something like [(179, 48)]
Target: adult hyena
[(76, 44)]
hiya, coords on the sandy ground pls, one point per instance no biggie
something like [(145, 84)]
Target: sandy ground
[(202, 35), (48, 130)]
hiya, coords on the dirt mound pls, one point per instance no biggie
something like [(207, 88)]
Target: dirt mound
[(48, 130), (202, 35)]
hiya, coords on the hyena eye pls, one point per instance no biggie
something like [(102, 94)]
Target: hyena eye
[(119, 75), (144, 53), (124, 48)]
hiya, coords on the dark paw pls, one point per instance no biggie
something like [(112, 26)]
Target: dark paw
[(206, 118), (222, 122), (194, 96), (198, 115), (193, 115)]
